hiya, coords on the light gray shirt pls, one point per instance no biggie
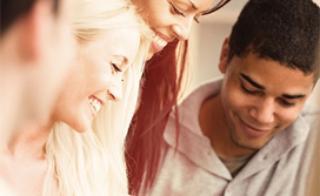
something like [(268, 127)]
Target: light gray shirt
[(194, 169)]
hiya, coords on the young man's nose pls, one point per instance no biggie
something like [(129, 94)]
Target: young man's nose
[(263, 111)]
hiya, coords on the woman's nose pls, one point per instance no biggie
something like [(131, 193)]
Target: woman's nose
[(114, 91)]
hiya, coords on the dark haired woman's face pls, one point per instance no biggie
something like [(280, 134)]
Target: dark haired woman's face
[(171, 19)]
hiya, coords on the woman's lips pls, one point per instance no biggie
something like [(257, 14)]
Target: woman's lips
[(158, 44), (95, 104), (156, 48), (159, 41)]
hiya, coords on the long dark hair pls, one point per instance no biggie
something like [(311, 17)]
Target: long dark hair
[(158, 96), (159, 93)]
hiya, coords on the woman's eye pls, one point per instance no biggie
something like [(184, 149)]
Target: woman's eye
[(115, 67), (176, 10)]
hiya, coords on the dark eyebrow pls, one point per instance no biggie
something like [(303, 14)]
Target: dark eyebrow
[(251, 81), (259, 86), (299, 96)]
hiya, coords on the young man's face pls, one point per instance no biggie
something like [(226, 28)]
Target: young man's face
[(57, 56), (261, 98), (35, 56)]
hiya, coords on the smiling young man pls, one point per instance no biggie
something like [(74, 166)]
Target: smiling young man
[(246, 134)]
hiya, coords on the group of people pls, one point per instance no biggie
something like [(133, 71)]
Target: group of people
[(90, 100)]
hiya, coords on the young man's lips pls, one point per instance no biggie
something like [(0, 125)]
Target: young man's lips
[(253, 131), (257, 129)]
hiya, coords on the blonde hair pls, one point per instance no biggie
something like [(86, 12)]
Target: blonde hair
[(92, 163), (5, 190)]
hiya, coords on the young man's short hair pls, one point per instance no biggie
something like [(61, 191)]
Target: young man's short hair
[(12, 10), (286, 31)]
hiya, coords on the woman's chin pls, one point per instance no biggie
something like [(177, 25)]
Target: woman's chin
[(82, 124), (82, 128)]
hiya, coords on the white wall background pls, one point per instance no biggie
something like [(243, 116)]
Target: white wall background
[(206, 41)]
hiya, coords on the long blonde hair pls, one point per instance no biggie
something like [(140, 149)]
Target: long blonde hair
[(92, 163)]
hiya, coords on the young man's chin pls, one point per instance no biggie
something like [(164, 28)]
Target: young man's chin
[(247, 143)]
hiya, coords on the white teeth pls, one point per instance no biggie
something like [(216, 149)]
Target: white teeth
[(160, 41), (96, 105)]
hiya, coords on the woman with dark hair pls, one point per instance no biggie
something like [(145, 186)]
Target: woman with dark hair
[(171, 21)]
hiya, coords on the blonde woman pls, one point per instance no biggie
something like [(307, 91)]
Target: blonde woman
[(102, 86)]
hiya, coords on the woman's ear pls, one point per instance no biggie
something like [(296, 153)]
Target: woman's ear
[(224, 56)]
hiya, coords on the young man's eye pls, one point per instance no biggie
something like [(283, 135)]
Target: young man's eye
[(249, 91), (286, 103)]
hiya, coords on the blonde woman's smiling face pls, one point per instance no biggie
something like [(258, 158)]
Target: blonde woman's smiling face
[(97, 76)]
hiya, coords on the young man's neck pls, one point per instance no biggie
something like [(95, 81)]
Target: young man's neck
[(214, 125)]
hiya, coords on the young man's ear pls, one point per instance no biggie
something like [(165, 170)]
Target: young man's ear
[(223, 63), (35, 30)]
